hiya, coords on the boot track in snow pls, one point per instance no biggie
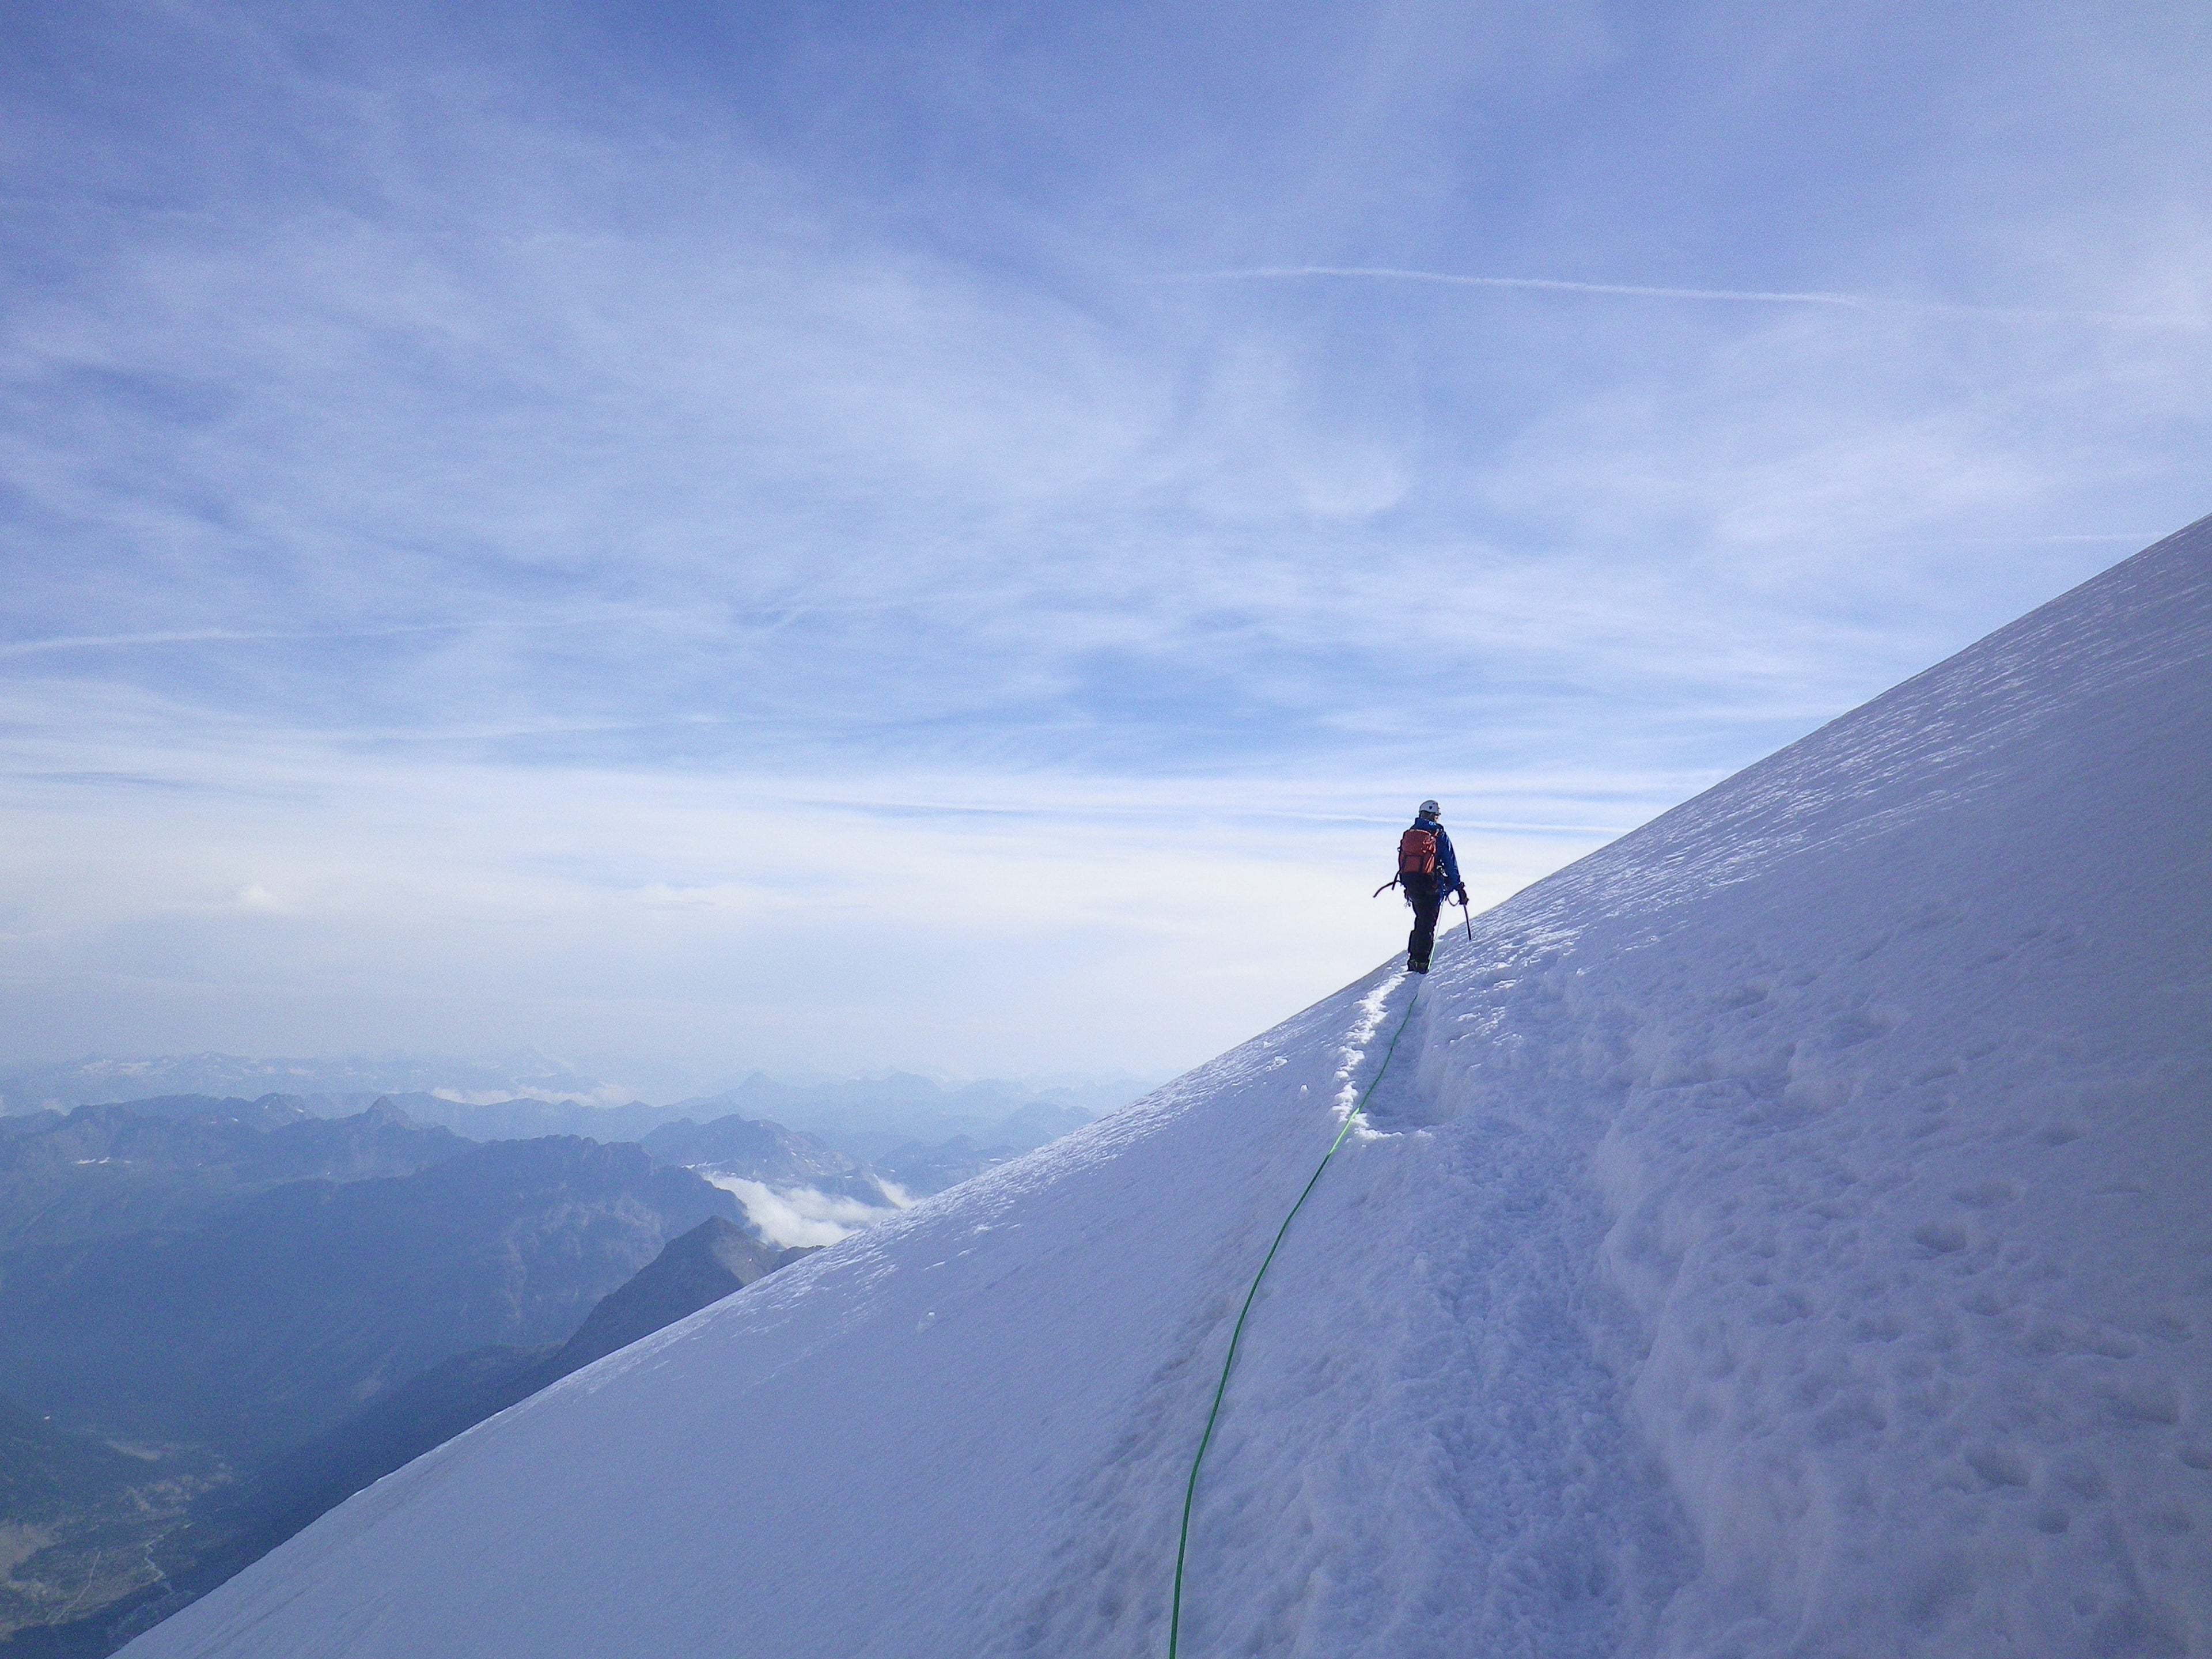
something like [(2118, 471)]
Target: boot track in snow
[(1236, 1332)]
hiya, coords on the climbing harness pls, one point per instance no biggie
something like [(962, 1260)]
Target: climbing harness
[(1236, 1332)]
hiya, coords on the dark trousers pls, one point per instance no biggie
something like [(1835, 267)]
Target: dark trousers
[(1426, 895)]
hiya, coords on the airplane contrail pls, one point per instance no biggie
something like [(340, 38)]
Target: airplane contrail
[(1392, 274), (93, 642), (245, 635), (1758, 296)]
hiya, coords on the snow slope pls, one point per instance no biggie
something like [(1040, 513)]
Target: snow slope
[(1784, 1231)]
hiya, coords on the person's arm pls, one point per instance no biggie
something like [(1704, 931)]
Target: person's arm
[(1450, 862)]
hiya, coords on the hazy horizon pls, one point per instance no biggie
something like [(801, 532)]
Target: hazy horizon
[(602, 1080)]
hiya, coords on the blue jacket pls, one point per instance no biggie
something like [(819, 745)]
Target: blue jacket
[(1447, 860)]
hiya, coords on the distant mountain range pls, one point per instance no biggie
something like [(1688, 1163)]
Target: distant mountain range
[(102, 1171), (219, 1315), (97, 1081), (756, 1150), (272, 1317), (870, 1118), (855, 1159), (895, 1131), (904, 1106)]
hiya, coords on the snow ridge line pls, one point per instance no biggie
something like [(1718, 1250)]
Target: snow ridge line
[(1236, 1332)]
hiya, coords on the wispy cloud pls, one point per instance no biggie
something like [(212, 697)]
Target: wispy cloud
[(1849, 301), (800, 1215)]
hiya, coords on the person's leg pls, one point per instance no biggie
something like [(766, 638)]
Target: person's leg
[(1426, 902)]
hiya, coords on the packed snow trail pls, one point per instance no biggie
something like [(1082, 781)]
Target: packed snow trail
[(1237, 1331), (1780, 1233)]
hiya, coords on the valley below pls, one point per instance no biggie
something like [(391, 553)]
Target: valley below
[(219, 1317)]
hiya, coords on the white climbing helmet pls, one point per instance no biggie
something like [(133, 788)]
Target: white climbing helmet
[(1431, 810)]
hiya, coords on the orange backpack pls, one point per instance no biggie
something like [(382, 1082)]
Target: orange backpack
[(1417, 853)]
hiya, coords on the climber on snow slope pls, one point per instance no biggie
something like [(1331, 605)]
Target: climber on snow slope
[(1428, 872)]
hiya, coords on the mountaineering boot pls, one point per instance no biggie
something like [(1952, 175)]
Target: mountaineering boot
[(1412, 966)]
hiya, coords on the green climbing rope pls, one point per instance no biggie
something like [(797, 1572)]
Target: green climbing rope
[(1236, 1332)]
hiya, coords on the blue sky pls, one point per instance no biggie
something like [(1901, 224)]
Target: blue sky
[(948, 535)]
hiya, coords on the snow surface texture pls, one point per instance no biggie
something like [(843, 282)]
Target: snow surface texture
[(1783, 1232)]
